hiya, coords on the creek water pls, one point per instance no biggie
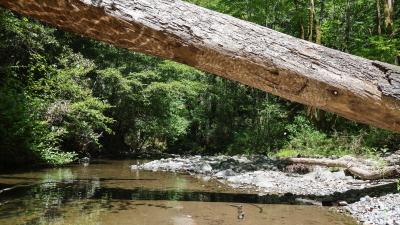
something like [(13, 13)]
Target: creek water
[(108, 192)]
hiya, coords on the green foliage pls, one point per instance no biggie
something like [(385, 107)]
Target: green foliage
[(24, 132), (48, 110), (378, 48), (70, 107), (305, 139), (284, 153), (263, 134)]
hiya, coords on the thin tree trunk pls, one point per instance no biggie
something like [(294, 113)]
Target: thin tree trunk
[(388, 11), (266, 11), (378, 17), (319, 22), (302, 32), (311, 16), (356, 88), (300, 20), (348, 24)]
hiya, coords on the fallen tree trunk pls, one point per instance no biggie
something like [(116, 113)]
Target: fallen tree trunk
[(358, 89), (354, 169)]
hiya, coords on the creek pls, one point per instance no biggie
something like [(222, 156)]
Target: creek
[(108, 192)]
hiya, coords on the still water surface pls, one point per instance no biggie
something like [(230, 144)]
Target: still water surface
[(108, 193)]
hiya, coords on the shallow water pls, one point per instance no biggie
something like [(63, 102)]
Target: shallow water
[(108, 192)]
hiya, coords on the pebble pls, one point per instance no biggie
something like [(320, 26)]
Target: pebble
[(342, 203), (383, 210)]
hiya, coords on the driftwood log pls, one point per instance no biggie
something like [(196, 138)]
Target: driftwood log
[(356, 88), (354, 169)]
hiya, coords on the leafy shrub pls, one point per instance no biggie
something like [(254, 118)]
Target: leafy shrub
[(304, 139)]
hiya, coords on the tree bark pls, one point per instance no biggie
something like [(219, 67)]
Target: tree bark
[(359, 89), (356, 170)]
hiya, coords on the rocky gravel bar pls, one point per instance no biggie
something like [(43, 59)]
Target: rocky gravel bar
[(268, 176), (383, 210)]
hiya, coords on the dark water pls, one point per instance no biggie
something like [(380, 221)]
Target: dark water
[(108, 192)]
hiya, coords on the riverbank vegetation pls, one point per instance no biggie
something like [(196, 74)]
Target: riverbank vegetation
[(63, 96)]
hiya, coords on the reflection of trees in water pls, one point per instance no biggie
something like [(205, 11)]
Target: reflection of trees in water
[(57, 192), (181, 184)]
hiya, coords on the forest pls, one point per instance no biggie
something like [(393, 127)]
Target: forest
[(63, 96)]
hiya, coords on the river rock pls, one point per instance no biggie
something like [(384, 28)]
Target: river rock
[(342, 203), (258, 172), (262, 173), (383, 210)]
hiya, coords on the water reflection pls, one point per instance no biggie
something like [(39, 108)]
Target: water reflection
[(111, 194)]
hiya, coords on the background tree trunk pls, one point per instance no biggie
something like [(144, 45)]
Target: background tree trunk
[(348, 24), (388, 11), (311, 17), (299, 20), (378, 17), (319, 22)]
